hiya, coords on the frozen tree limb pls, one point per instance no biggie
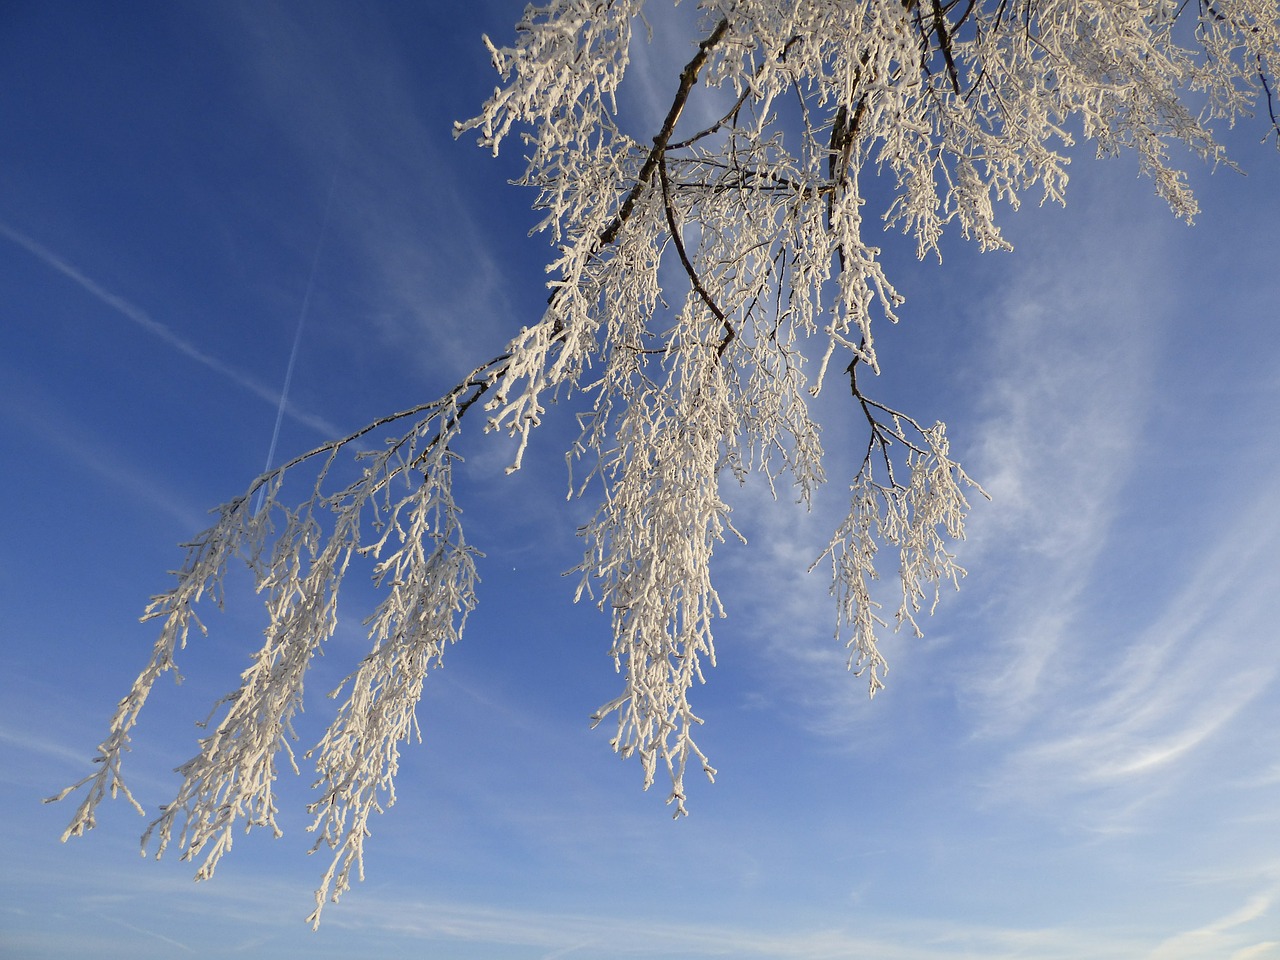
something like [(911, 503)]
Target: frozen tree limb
[(958, 105)]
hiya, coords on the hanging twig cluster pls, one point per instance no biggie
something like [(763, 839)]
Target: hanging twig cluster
[(955, 104)]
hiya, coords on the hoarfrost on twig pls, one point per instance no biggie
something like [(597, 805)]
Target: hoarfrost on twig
[(959, 107)]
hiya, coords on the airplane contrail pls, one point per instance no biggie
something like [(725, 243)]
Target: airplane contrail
[(163, 332), (297, 336)]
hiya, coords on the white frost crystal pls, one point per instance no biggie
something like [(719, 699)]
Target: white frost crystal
[(956, 105)]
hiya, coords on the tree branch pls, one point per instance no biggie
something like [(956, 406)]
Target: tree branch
[(944, 43), (674, 228), (688, 78)]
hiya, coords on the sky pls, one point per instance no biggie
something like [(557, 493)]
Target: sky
[(1081, 758)]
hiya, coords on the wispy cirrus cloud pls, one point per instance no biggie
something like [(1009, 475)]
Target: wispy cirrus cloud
[(425, 295), (1085, 697), (1067, 395), (1241, 934), (29, 742), (27, 406), (563, 935), (161, 331), (1182, 679)]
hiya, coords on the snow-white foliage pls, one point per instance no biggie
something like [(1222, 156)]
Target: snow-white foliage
[(956, 105)]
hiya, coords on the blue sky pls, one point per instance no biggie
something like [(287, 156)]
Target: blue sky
[(1081, 758)]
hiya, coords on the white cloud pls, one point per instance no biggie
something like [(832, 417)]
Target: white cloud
[(1224, 934), (1099, 681), (418, 269), (566, 934), (1069, 391), (1158, 694), (1266, 950)]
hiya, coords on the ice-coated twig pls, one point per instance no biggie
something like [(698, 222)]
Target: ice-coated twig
[(759, 213)]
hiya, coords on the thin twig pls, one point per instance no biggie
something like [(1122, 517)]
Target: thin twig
[(688, 266)]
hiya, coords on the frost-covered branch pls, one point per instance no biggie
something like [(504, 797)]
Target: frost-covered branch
[(959, 107), (298, 558), (917, 518)]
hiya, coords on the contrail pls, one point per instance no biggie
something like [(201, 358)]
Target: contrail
[(297, 336), (162, 332), (145, 932)]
